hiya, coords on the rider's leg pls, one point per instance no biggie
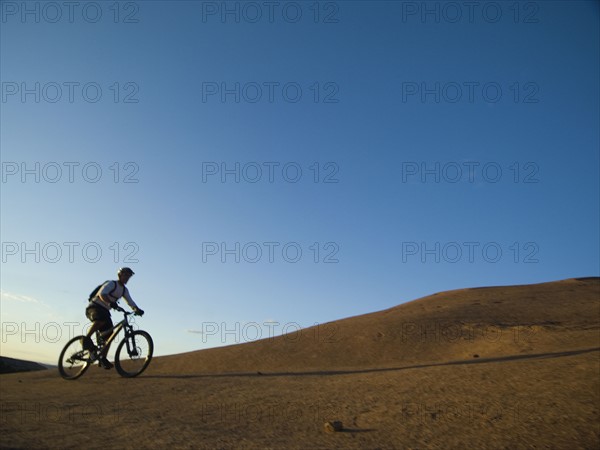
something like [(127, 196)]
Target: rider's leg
[(99, 317), (103, 323), (106, 329), (103, 327), (96, 325), (105, 349)]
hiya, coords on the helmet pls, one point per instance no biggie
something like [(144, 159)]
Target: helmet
[(125, 271)]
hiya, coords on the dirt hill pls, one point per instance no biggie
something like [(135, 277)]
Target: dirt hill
[(495, 367), (453, 325)]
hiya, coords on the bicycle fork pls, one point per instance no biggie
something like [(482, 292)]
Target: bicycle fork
[(131, 347)]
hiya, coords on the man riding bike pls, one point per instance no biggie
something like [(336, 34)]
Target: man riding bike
[(98, 311)]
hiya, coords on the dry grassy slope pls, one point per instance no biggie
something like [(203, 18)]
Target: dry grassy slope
[(455, 325)]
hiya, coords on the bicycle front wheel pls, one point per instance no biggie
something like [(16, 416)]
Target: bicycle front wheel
[(133, 354), (74, 360)]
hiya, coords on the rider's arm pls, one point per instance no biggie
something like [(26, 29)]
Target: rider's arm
[(129, 300)]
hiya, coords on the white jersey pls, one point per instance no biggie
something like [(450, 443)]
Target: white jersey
[(119, 291)]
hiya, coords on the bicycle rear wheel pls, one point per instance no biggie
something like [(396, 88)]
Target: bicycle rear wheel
[(133, 354), (74, 360)]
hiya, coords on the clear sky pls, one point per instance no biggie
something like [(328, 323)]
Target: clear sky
[(265, 166)]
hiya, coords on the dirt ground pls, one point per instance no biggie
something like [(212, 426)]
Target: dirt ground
[(522, 372)]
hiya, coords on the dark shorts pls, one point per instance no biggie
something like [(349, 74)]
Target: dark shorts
[(100, 314)]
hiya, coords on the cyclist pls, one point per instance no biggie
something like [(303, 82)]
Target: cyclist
[(98, 311)]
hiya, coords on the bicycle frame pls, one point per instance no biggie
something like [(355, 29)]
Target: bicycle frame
[(123, 324)]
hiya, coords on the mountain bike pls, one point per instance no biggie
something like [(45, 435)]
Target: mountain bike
[(132, 357)]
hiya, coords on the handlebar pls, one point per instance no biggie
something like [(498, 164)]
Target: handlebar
[(127, 313)]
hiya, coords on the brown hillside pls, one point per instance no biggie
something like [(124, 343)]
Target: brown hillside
[(488, 322), (485, 368)]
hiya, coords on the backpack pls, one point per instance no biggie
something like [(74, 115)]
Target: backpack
[(95, 291)]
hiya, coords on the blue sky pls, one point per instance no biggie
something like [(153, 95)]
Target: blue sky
[(436, 152)]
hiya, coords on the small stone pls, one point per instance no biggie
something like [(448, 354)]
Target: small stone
[(333, 426)]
